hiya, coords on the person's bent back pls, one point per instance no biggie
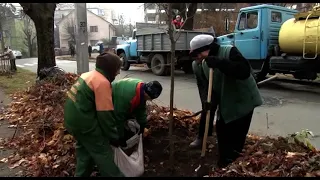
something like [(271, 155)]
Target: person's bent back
[(129, 98)]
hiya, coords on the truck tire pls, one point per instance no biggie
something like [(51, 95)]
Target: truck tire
[(158, 65), (125, 64), (95, 51), (187, 67)]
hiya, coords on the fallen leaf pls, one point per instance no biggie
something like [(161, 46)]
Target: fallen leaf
[(18, 164), (4, 160)]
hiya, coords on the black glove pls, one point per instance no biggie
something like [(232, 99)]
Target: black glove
[(212, 61), (207, 106), (118, 142), (122, 142), (141, 130), (114, 142)]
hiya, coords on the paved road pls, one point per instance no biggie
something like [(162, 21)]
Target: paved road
[(287, 108)]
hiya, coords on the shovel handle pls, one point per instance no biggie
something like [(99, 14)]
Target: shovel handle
[(204, 142)]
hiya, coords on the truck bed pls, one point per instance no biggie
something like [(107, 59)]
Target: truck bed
[(160, 42)]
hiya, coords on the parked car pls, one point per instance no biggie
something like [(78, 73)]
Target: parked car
[(17, 54), (95, 49)]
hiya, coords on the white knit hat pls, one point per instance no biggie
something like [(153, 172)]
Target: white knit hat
[(200, 41)]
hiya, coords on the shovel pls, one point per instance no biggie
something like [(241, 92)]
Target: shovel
[(202, 169)]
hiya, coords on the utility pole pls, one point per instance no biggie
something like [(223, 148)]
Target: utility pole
[(82, 38)]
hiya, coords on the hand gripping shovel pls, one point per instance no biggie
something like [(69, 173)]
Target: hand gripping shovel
[(202, 169)]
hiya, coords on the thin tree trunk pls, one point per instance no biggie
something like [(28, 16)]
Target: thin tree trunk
[(172, 61), (2, 38), (29, 46)]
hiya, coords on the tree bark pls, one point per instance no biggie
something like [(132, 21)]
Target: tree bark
[(42, 15), (172, 62), (192, 9), (2, 38)]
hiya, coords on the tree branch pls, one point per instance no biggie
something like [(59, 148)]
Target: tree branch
[(177, 34)]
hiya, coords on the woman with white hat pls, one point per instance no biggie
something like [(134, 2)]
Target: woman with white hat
[(235, 93)]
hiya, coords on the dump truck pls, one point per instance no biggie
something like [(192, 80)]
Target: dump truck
[(151, 45), (276, 39)]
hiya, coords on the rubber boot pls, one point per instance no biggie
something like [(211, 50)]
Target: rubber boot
[(196, 143)]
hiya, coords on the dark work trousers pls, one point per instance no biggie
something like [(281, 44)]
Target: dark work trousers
[(89, 54), (202, 124), (231, 138), (13, 66)]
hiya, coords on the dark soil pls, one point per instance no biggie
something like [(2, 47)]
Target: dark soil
[(156, 152)]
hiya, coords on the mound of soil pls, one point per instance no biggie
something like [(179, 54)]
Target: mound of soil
[(186, 159)]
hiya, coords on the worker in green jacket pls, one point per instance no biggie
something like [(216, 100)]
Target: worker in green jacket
[(89, 117), (235, 93), (129, 98)]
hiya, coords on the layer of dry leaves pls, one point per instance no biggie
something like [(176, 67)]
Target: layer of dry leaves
[(268, 157), (44, 148)]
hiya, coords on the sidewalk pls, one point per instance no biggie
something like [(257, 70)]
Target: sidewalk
[(5, 132)]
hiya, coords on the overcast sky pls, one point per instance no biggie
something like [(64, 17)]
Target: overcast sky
[(133, 11)]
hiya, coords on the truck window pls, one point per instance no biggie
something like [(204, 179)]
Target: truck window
[(242, 21), (248, 20), (276, 17)]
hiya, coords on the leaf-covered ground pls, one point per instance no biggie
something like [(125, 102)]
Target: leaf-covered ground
[(44, 148)]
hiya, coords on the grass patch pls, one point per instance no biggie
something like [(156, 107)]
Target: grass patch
[(20, 80)]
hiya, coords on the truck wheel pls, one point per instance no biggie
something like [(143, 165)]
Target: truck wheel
[(125, 64), (158, 65), (187, 68), (95, 51)]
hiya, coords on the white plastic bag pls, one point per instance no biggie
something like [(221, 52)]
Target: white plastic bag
[(133, 165)]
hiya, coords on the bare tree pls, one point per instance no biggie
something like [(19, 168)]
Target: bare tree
[(188, 13), (6, 14), (30, 34), (120, 30), (183, 11), (174, 35), (69, 30), (42, 15)]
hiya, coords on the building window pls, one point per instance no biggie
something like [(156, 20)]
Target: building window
[(248, 20), (151, 19), (93, 42), (93, 28), (276, 17)]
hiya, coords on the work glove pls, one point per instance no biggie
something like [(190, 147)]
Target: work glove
[(141, 130), (114, 142), (212, 61), (118, 142), (122, 142), (207, 106)]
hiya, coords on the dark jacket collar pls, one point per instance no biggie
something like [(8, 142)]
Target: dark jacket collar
[(105, 74), (214, 49)]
